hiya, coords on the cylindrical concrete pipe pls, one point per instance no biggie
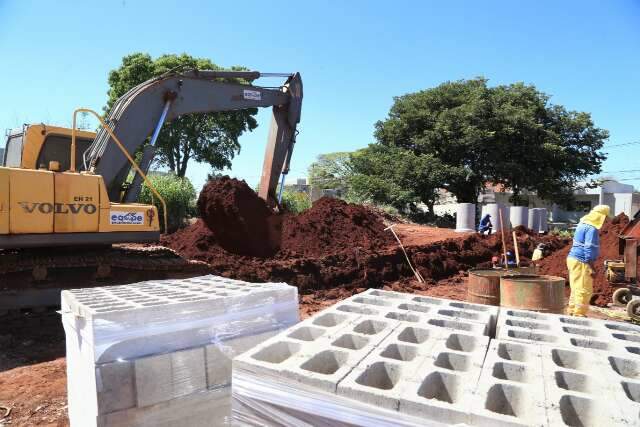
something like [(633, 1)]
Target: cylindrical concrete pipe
[(493, 209), (465, 217), (532, 292), (544, 226), (519, 216), (483, 285), (533, 222)]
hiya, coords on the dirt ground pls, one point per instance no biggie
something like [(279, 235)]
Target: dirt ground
[(417, 235), (33, 367), (32, 363)]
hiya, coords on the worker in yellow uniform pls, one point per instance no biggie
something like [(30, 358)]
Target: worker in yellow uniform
[(538, 254), (582, 257)]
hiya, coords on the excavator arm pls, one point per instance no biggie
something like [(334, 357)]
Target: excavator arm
[(141, 112)]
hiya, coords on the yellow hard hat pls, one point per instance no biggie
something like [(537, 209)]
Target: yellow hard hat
[(602, 209), (597, 216)]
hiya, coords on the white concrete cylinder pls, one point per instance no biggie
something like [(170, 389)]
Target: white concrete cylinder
[(465, 217), (519, 215), (544, 226), (494, 209), (491, 209), (533, 222)]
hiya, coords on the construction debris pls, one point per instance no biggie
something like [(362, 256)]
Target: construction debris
[(159, 352)]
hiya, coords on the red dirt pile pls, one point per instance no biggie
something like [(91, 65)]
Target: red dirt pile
[(556, 264), (235, 219), (333, 225), (332, 245), (238, 218)]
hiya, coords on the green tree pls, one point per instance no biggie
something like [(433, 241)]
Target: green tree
[(295, 201), (394, 176), (207, 138), (542, 147), (449, 122), (177, 192), (509, 134), (331, 170)]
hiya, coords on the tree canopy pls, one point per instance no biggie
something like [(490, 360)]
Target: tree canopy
[(331, 171), (210, 138), (474, 134), (395, 176)]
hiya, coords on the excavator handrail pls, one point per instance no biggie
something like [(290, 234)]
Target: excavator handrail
[(124, 151)]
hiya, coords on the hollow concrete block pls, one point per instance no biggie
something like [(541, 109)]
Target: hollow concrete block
[(324, 368), (219, 356), (270, 357), (568, 332), (168, 376), (202, 409), (115, 386), (438, 395), (378, 381)]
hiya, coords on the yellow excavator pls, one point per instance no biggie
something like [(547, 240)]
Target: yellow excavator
[(68, 188)]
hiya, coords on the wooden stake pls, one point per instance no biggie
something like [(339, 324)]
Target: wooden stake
[(515, 247), (415, 272), (504, 244)]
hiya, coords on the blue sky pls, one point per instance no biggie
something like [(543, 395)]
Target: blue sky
[(354, 56)]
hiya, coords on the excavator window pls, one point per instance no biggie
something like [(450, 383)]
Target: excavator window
[(13, 154), (58, 147)]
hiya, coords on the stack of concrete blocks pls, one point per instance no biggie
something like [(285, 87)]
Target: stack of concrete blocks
[(582, 372), (377, 358), (159, 353), (386, 358), (465, 217)]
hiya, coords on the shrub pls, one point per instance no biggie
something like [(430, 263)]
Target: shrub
[(178, 194), (296, 202)]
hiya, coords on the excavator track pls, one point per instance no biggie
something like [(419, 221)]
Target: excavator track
[(31, 279)]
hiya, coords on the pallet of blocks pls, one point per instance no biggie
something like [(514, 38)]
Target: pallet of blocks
[(384, 358), (159, 353)]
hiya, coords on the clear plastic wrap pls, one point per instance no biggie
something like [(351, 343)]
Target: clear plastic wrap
[(266, 400), (378, 358), (165, 347)]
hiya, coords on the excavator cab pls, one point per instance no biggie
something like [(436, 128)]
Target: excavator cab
[(36, 146), (44, 203)]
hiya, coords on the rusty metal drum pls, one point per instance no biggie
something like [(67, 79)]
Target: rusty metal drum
[(532, 292), (483, 285)]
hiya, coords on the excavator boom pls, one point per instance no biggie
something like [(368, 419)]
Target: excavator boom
[(142, 110)]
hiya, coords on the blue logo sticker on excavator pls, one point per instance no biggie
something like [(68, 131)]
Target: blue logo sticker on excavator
[(126, 218)]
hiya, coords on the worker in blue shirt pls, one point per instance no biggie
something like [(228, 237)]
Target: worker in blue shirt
[(511, 260), (485, 225), (582, 257)]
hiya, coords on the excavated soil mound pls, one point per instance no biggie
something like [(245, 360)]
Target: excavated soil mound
[(241, 223), (333, 225), (239, 219), (333, 244), (556, 263), (350, 269)]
